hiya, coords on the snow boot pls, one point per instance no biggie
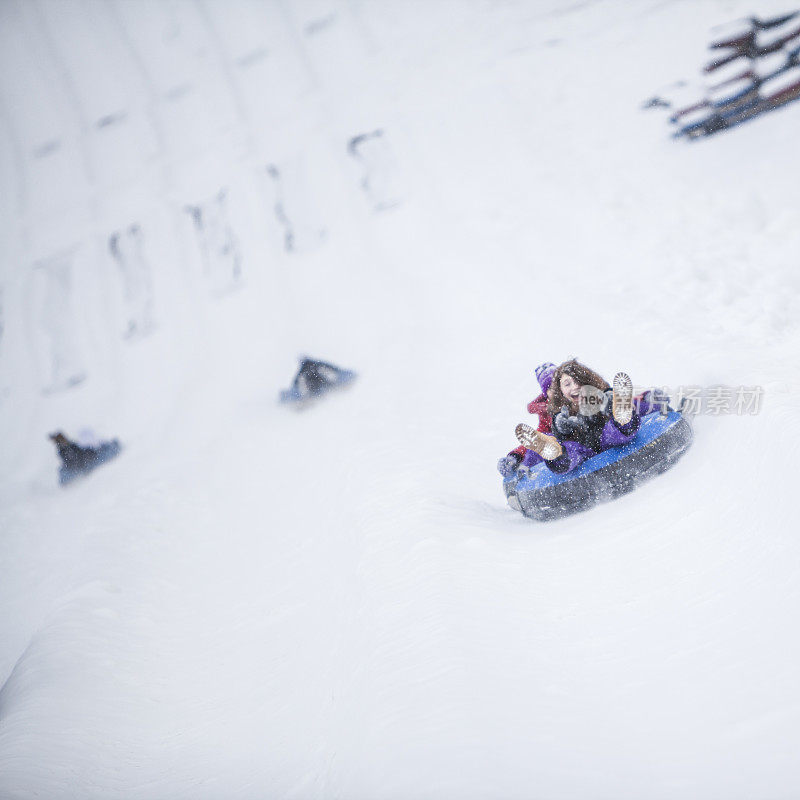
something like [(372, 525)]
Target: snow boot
[(622, 407), (548, 447)]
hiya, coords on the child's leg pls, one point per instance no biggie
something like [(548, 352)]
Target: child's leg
[(573, 456), (615, 435), (531, 458)]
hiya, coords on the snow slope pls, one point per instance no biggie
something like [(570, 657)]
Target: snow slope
[(254, 602)]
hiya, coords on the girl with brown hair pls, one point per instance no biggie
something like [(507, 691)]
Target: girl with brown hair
[(567, 382)]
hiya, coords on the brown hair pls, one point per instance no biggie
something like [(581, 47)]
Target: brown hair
[(578, 372)]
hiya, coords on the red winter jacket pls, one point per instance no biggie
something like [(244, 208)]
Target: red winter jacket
[(537, 406)]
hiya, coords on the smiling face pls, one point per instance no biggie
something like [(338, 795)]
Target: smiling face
[(568, 381), (570, 388)]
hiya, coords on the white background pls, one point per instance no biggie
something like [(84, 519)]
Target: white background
[(256, 602)]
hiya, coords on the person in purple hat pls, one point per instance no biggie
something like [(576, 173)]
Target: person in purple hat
[(521, 455)]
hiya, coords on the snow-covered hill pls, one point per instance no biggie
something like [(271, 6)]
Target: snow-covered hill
[(254, 602)]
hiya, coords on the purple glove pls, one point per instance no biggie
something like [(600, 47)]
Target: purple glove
[(507, 465)]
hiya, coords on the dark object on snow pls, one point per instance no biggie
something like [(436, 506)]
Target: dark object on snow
[(77, 460), (656, 102), (748, 44), (315, 378), (774, 22), (544, 495), (772, 94), (745, 37), (762, 57)]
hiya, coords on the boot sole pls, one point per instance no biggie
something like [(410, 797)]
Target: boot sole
[(546, 446), (622, 408)]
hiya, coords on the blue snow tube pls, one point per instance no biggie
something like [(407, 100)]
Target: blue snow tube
[(544, 495)]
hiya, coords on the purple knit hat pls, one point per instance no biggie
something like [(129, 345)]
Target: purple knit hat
[(544, 374)]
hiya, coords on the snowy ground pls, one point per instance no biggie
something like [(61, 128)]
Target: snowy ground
[(253, 602)]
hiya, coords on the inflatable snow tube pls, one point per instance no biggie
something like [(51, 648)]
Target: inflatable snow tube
[(544, 495)]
